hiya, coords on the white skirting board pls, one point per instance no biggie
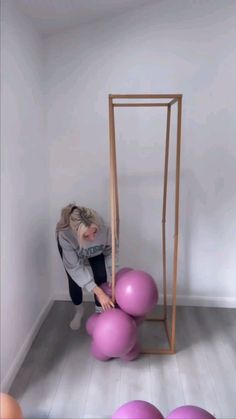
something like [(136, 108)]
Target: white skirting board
[(64, 296), (203, 301), (182, 300), (11, 374)]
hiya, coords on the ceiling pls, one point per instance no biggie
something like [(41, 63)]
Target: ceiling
[(51, 16)]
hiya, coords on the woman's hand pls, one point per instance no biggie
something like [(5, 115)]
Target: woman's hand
[(103, 299)]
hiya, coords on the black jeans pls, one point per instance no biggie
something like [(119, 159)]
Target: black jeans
[(98, 266)]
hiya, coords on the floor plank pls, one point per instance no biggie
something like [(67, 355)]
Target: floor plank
[(60, 379), (196, 377), (219, 344), (104, 389)]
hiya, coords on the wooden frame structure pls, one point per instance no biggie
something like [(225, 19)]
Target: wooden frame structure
[(167, 100)]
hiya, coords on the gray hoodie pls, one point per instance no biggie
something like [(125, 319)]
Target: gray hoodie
[(75, 258)]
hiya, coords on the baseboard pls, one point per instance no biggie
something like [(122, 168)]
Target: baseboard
[(10, 376), (203, 301), (182, 300), (64, 296)]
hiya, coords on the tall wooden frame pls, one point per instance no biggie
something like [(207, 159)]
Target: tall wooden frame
[(167, 100)]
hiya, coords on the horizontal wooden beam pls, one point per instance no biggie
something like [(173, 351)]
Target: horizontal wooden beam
[(155, 319), (148, 96), (139, 104), (160, 351)]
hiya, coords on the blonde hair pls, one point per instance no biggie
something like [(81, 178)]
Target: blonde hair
[(79, 219)]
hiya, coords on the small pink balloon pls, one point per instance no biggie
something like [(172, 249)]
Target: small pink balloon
[(136, 293), (95, 351), (132, 354), (137, 409), (91, 323), (190, 412), (121, 272), (107, 289)]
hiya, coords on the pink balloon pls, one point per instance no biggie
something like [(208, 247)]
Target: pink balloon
[(136, 293), (190, 412), (95, 351), (121, 272), (90, 324), (137, 409), (132, 354), (107, 289), (115, 333)]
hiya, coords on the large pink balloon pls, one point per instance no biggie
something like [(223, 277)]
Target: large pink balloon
[(115, 333), (90, 324), (137, 409), (189, 412), (132, 354), (97, 353), (121, 272), (107, 288), (136, 293)]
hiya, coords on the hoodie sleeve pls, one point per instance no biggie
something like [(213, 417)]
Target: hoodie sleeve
[(75, 266), (108, 253)]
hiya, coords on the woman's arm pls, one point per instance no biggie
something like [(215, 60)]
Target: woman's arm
[(103, 298)]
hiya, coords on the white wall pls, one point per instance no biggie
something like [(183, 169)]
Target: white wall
[(25, 281), (170, 47)]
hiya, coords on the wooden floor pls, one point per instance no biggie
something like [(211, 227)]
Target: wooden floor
[(59, 378)]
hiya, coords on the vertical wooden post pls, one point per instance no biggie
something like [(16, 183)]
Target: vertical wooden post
[(176, 233), (164, 209), (113, 193)]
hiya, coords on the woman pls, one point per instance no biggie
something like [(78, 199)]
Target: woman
[(84, 243)]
